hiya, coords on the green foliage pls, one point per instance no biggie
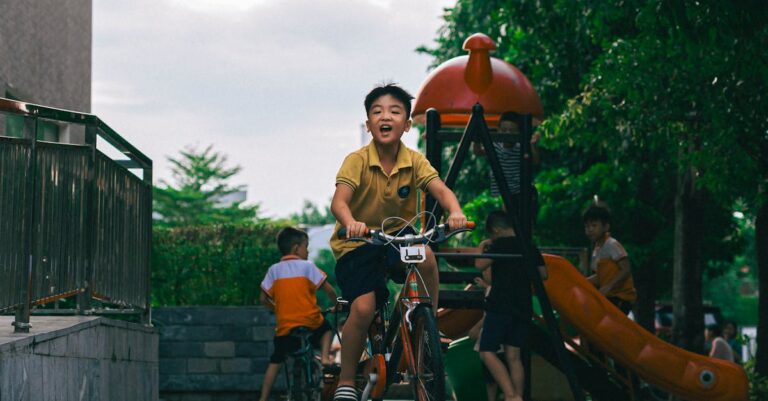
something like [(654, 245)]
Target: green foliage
[(211, 265), (327, 263), (635, 91), (724, 290), (477, 210), (758, 384), (201, 182), (311, 214)]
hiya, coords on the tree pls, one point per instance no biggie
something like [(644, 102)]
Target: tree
[(198, 195), (555, 44), (312, 215), (648, 101)]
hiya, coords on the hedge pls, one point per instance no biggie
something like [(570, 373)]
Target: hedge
[(211, 265)]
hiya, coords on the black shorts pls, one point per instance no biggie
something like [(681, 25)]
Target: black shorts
[(503, 329), (624, 306), (365, 269), (285, 345)]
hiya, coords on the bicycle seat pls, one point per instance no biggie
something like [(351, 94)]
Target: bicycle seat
[(301, 332)]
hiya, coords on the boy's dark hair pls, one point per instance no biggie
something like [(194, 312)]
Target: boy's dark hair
[(288, 237), (597, 211), (497, 219), (389, 89), (716, 329), (508, 116)]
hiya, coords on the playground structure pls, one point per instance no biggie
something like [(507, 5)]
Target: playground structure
[(471, 92)]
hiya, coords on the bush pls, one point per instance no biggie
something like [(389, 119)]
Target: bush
[(758, 384), (212, 265)]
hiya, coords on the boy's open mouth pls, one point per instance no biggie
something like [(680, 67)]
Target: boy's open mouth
[(386, 128)]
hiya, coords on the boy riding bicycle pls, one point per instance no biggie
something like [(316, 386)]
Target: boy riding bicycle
[(373, 183), (289, 289)]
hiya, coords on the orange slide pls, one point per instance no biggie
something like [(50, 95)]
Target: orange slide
[(688, 375)]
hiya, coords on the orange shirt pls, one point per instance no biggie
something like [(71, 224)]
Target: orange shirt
[(605, 258), (292, 284)]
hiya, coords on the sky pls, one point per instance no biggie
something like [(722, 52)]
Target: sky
[(275, 85)]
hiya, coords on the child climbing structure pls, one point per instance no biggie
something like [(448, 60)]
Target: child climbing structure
[(471, 92)]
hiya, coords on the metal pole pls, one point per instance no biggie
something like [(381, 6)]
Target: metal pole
[(86, 271), (434, 153), (21, 323), (546, 307), (147, 315)]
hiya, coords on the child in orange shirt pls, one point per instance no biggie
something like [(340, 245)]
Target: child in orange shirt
[(289, 289), (609, 262)]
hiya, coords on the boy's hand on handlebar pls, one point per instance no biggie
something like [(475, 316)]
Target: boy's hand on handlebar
[(456, 221), (356, 229)]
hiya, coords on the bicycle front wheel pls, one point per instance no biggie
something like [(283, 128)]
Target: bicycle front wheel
[(429, 381)]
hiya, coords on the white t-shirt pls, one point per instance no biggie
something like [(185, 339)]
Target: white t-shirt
[(721, 350)]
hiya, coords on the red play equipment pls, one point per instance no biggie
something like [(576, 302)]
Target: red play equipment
[(460, 83), (473, 91)]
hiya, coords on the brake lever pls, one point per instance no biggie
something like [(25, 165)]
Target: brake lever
[(454, 232)]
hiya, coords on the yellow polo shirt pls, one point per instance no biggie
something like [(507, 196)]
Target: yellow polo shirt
[(378, 195)]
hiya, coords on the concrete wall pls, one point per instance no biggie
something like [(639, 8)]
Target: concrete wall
[(94, 359), (45, 52), (213, 353)]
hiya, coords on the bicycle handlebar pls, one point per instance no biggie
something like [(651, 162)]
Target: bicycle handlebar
[(436, 234)]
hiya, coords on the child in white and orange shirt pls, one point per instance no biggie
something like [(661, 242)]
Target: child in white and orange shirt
[(289, 289)]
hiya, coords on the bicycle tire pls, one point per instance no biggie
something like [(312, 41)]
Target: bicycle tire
[(306, 388), (429, 383)]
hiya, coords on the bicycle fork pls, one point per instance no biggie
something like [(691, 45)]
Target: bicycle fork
[(409, 304)]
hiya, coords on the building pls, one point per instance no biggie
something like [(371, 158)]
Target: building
[(45, 58)]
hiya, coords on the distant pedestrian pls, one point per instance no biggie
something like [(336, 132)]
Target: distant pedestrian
[(731, 334), (719, 348)]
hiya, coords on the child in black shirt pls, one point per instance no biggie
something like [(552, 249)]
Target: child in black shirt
[(508, 306)]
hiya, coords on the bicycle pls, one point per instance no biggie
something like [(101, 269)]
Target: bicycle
[(405, 352), (304, 377)]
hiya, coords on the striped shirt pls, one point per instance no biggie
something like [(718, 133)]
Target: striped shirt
[(509, 158), (292, 283)]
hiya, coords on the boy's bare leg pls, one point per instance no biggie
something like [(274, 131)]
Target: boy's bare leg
[(490, 391), (430, 274), (269, 379), (325, 348), (354, 336), (516, 372), (500, 374)]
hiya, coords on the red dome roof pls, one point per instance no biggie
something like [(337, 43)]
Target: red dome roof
[(457, 84)]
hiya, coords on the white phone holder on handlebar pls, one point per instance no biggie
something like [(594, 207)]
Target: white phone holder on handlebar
[(413, 254)]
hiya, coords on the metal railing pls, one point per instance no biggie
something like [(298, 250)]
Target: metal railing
[(73, 221)]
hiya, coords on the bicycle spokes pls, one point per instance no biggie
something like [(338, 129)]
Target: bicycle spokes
[(428, 380)]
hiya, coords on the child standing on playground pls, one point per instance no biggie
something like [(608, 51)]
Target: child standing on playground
[(289, 289), (508, 305), (508, 154), (609, 262), (491, 387), (376, 182)]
